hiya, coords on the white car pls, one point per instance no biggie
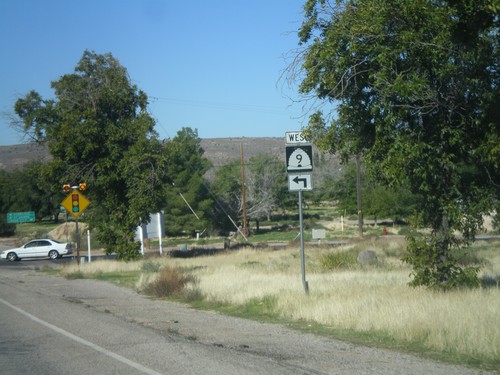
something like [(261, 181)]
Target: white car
[(41, 248)]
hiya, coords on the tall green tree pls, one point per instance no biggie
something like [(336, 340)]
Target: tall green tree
[(98, 131), (20, 191), (379, 201), (188, 205), (416, 86)]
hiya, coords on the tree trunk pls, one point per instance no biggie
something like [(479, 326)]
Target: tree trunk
[(358, 195)]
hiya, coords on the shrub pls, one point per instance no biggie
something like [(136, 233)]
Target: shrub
[(170, 282), (436, 267), (6, 229), (407, 231), (340, 260), (151, 266)]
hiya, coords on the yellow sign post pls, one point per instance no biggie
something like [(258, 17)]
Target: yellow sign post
[(75, 203)]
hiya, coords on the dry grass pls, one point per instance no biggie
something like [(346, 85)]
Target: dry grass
[(101, 267), (373, 300), (464, 322)]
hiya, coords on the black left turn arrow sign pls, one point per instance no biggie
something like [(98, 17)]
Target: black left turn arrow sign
[(303, 180), (299, 182)]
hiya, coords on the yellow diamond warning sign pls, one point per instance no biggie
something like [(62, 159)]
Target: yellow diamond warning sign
[(75, 203)]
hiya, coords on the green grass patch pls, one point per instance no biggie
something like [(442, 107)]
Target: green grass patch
[(51, 271), (278, 236), (339, 260), (322, 211), (251, 264), (262, 310), (172, 241), (75, 275)]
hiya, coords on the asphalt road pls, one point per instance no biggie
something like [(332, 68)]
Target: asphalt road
[(46, 332), (50, 325)]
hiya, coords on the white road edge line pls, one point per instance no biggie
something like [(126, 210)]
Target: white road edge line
[(83, 341)]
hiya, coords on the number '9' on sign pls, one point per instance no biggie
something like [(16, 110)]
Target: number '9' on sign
[(299, 158)]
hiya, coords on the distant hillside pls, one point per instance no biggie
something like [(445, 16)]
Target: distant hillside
[(16, 156), (218, 150)]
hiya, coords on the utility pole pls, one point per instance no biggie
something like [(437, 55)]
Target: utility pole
[(243, 192)]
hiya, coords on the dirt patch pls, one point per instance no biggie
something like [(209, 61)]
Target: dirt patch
[(67, 232)]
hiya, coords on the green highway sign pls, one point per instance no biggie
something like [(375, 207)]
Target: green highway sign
[(20, 217)]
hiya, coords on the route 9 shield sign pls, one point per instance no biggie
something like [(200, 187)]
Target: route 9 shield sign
[(299, 158)]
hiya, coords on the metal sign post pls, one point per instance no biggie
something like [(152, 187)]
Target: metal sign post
[(302, 254), (77, 235), (298, 154)]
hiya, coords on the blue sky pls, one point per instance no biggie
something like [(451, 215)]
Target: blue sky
[(212, 65)]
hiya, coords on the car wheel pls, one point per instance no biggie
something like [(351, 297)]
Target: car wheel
[(11, 257), (53, 254)]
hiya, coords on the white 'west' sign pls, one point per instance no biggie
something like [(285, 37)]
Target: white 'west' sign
[(293, 138)]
